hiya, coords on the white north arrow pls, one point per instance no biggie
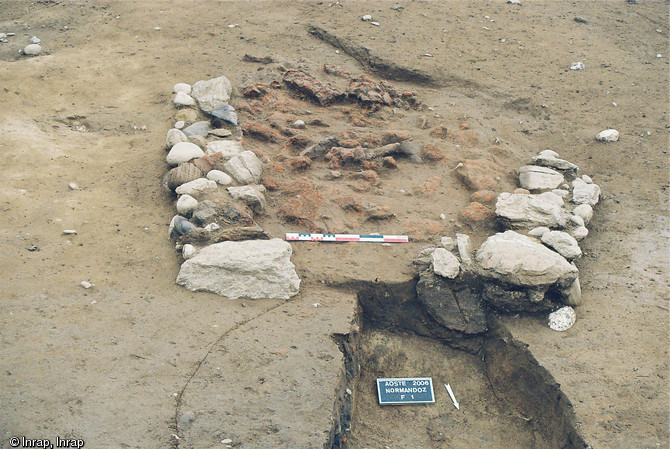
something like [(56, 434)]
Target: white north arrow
[(451, 394)]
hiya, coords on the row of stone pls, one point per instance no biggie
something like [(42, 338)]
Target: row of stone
[(513, 272), (253, 266)]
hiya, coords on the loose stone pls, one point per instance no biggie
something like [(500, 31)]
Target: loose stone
[(464, 248), (231, 269), (212, 94), (445, 263), (583, 193), (73, 186), (579, 233), (186, 204), (196, 187), (448, 243), (183, 99), (182, 87), (299, 124), (539, 231), (577, 220), (182, 174), (180, 124), (563, 243), (183, 152), (219, 177), (198, 129), (532, 177), (608, 135), (585, 211), (180, 225), (174, 136), (220, 132), (32, 50), (562, 319), (186, 115), (187, 252), (226, 113), (246, 168), (252, 195)]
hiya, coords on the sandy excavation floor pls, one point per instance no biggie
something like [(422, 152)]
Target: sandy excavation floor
[(107, 364)]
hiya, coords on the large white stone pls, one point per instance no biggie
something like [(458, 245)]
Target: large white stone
[(196, 187), (252, 195), (563, 243), (183, 99), (514, 258), (228, 148), (445, 263), (174, 136), (183, 152), (522, 210), (246, 168), (212, 94), (583, 193), (254, 269), (608, 135), (533, 177)]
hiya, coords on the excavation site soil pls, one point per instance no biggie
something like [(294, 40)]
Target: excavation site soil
[(130, 359)]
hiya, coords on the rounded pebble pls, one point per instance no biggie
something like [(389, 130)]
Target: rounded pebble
[(299, 124), (539, 231), (219, 177), (180, 124), (608, 135), (187, 252), (35, 40), (186, 204), (174, 136), (183, 99), (585, 211), (32, 50), (579, 233), (562, 319), (576, 219)]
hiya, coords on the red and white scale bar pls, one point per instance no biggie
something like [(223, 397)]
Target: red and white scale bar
[(295, 236)]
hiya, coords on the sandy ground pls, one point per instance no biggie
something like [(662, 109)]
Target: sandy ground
[(104, 364)]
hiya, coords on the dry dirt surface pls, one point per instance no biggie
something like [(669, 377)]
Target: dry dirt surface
[(111, 364)]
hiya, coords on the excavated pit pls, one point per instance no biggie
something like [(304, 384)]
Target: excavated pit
[(506, 398)]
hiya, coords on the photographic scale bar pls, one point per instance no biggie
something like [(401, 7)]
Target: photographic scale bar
[(295, 236)]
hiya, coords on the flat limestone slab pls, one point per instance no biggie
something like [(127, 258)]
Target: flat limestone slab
[(272, 381), (255, 269)]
